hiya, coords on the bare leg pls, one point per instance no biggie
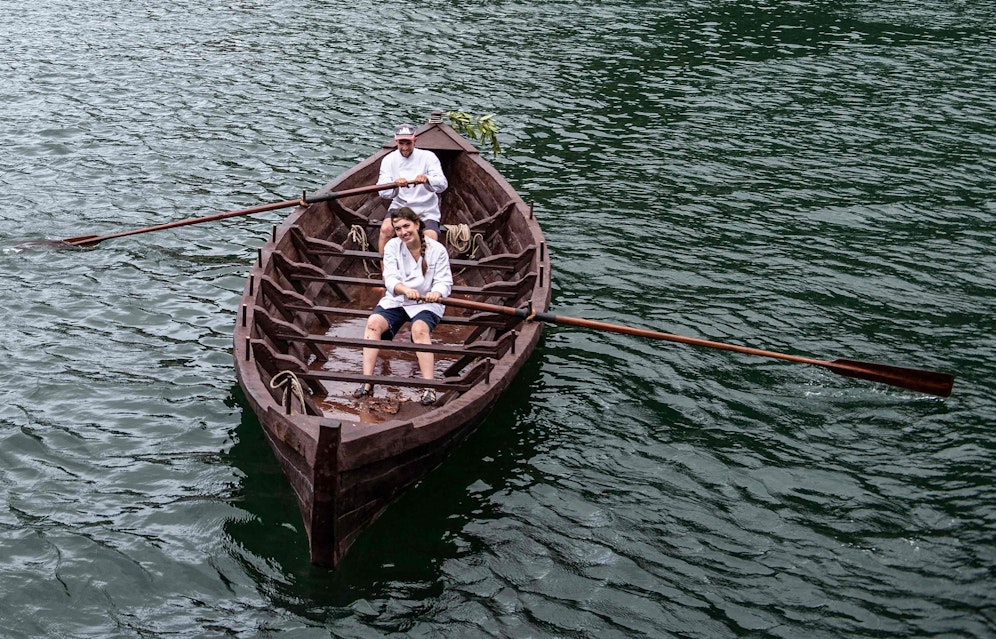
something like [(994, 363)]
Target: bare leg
[(421, 335), (432, 234), (386, 233), (376, 325)]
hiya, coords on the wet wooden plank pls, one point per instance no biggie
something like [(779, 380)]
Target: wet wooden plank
[(495, 348)]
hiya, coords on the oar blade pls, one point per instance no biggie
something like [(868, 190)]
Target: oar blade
[(915, 379), (84, 241)]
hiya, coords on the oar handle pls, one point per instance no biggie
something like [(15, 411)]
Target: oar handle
[(915, 379)]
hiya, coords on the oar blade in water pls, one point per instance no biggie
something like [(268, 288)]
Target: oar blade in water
[(915, 379)]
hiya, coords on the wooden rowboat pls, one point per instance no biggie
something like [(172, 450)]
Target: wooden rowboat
[(298, 338)]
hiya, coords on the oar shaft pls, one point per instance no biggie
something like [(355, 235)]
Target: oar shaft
[(915, 379), (681, 339), (91, 240), (360, 190), (923, 381), (627, 330)]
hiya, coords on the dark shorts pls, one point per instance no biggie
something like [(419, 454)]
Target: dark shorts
[(433, 225), (396, 318)]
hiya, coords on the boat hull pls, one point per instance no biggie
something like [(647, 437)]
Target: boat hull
[(299, 334)]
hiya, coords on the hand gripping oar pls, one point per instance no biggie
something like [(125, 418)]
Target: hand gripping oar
[(92, 240), (914, 379)]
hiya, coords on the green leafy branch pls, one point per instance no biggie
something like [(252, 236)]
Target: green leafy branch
[(482, 129)]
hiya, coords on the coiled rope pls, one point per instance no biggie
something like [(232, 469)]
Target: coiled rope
[(458, 237), (290, 384), (359, 235)]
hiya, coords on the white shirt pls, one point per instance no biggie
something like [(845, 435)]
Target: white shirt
[(420, 198), (401, 268)]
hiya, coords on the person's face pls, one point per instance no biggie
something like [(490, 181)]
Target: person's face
[(405, 147), (406, 230)]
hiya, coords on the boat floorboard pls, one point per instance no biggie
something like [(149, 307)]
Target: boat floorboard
[(390, 401)]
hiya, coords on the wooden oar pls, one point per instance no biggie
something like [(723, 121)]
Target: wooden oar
[(930, 382), (92, 240)]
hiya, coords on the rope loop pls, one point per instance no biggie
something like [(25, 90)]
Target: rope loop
[(459, 239), (477, 244), (290, 384), (458, 236), (530, 312), (359, 235)]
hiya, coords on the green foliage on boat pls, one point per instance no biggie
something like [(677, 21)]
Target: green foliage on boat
[(482, 129)]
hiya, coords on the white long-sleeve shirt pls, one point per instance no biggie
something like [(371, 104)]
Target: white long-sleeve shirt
[(421, 198), (401, 268)]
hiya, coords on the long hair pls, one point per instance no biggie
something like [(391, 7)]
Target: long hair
[(405, 213)]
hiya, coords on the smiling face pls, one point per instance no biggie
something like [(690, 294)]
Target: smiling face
[(405, 147), (407, 230)]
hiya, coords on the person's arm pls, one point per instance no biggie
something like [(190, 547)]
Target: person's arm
[(387, 175), (436, 181), (442, 275), (392, 267)]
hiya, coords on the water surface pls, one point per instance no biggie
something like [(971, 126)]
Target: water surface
[(813, 178)]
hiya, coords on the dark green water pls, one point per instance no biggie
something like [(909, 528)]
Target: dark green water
[(811, 178)]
